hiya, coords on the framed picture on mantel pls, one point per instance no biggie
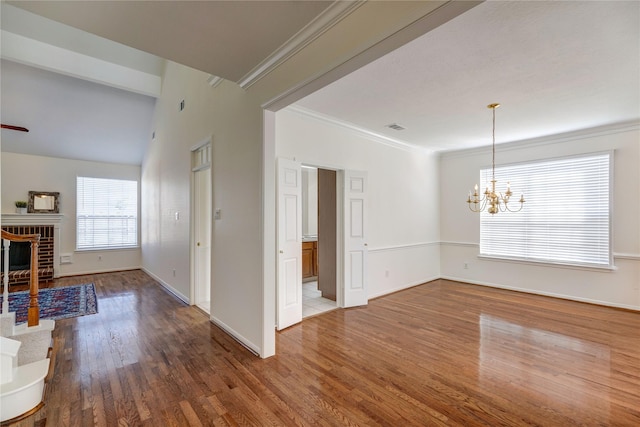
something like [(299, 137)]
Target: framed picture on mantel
[(43, 202)]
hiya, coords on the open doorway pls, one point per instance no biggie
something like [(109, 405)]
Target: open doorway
[(319, 240)]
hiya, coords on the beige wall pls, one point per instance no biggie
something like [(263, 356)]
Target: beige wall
[(22, 173)]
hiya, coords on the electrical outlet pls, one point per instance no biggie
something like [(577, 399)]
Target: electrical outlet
[(174, 272), (466, 265)]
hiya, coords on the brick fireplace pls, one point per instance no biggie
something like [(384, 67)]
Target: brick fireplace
[(48, 226)]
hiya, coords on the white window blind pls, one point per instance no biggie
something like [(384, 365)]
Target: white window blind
[(106, 213), (566, 216)]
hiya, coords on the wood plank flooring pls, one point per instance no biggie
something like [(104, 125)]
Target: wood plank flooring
[(439, 354)]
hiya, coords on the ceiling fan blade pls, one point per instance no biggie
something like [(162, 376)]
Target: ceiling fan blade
[(19, 128)]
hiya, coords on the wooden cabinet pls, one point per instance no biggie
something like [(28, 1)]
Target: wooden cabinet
[(309, 259)]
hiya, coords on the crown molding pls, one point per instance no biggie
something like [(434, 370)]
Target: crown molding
[(323, 22), (364, 133), (604, 130), (433, 19)]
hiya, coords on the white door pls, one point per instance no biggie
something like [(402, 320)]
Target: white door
[(289, 243), (355, 243), (202, 234), (201, 207)]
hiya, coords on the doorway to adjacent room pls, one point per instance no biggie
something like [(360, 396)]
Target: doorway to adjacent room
[(319, 240), (350, 241)]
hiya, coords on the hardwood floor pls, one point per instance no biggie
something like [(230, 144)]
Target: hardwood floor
[(443, 353)]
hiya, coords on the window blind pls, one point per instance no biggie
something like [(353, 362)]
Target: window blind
[(566, 216), (106, 213)]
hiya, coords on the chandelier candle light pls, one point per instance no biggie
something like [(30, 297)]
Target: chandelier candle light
[(496, 202)]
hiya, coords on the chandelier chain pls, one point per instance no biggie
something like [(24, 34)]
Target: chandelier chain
[(493, 201), (493, 145)]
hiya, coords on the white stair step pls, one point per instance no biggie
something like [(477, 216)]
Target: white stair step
[(44, 325), (8, 358), (25, 391), (36, 341)]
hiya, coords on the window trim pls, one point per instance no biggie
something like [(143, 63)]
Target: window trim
[(135, 246), (610, 266), (574, 266)]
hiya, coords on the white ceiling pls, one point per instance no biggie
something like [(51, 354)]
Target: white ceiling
[(554, 66), (72, 118)]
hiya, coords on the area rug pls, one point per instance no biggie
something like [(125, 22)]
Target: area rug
[(56, 303)]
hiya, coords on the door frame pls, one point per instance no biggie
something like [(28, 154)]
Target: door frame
[(340, 226), (192, 219), (289, 243)]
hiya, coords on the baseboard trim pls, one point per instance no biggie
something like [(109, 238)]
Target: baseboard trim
[(168, 287), (403, 287), (219, 323), (106, 270), (236, 336), (542, 293)]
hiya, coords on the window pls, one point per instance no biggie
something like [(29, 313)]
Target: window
[(566, 216), (106, 213)]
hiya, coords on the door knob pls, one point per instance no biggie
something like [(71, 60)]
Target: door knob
[(198, 243), (281, 251)]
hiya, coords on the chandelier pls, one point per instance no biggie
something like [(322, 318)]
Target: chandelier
[(491, 200)]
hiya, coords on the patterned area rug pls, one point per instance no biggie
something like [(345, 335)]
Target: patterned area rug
[(56, 303)]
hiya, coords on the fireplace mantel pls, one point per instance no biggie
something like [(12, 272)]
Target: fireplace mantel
[(34, 219), (31, 219)]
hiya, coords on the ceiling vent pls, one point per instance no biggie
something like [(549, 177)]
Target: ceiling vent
[(395, 126)]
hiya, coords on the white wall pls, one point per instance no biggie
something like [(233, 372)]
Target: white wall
[(460, 228), (403, 226), (22, 173), (233, 120)]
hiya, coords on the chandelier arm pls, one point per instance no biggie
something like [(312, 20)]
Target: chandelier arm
[(473, 206), (515, 210), (479, 204), (483, 203)]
